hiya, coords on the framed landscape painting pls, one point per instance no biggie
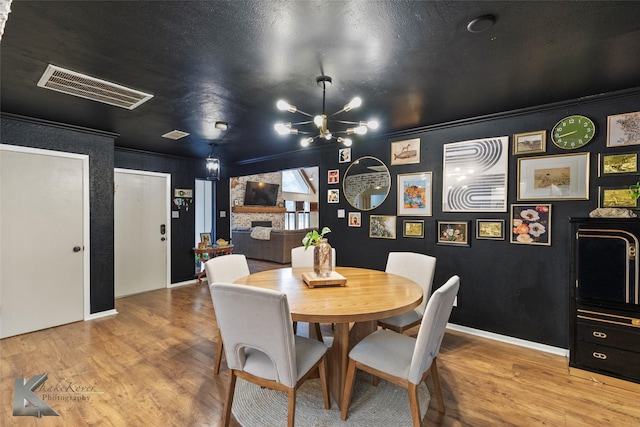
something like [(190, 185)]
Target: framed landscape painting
[(413, 228), (618, 164), (414, 194), (530, 142), (382, 226), (623, 130), (490, 229), (564, 177)]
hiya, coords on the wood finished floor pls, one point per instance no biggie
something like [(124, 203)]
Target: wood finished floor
[(151, 365)]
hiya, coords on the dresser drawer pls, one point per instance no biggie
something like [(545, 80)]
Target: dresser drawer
[(627, 337), (608, 360)]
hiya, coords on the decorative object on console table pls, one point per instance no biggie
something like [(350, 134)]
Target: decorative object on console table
[(605, 301), (322, 257)]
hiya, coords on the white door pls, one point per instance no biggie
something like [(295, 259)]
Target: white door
[(141, 217), (44, 201)]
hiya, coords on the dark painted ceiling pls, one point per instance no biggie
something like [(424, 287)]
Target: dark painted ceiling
[(413, 63)]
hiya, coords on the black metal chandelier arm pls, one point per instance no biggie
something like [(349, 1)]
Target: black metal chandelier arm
[(302, 123), (304, 113)]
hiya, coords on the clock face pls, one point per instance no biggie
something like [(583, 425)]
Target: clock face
[(573, 132)]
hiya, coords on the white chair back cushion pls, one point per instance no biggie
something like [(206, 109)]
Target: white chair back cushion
[(414, 266), (226, 268), (432, 328), (304, 258), (257, 331)]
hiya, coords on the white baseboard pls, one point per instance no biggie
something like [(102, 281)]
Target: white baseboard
[(185, 283), (510, 340), (100, 314)]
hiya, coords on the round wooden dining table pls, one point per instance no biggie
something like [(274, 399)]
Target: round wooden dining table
[(369, 295)]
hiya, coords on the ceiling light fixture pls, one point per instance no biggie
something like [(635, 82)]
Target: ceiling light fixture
[(321, 121), (213, 165), (221, 125)]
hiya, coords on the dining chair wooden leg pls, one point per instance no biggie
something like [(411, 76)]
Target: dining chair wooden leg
[(292, 407), (227, 405), (436, 385), (318, 331), (412, 390), (216, 365), (348, 388)]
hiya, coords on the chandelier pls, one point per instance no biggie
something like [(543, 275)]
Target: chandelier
[(213, 165), (321, 121)]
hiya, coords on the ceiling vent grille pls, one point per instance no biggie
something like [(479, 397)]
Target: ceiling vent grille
[(73, 83), (175, 134)]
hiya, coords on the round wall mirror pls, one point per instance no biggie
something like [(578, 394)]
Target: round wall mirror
[(366, 183)]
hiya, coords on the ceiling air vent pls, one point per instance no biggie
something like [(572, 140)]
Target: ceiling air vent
[(175, 134), (73, 83)]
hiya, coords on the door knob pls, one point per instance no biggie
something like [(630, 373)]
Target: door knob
[(77, 249)]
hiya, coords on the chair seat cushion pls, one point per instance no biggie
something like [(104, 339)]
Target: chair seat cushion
[(308, 352), (404, 319), (386, 351)]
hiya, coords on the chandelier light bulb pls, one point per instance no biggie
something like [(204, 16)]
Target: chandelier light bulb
[(285, 106), (360, 130), (345, 141), (328, 135), (355, 103), (306, 141), (373, 124), (318, 120), (282, 128)]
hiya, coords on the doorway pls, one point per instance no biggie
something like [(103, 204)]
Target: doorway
[(142, 231), (44, 239)]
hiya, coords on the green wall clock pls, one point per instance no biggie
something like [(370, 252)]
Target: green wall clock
[(573, 132)]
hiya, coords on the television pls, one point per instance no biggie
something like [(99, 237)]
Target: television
[(261, 194)]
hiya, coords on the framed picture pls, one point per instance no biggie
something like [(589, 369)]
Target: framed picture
[(530, 142), (531, 224), (563, 177), (413, 228), (453, 233), (382, 226), (490, 229), (344, 155), (333, 195), (405, 152), (616, 197), (205, 239), (333, 176), (354, 219), (623, 130), (414, 194), (618, 164), (475, 175)]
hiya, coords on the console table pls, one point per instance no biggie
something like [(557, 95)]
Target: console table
[(211, 251)]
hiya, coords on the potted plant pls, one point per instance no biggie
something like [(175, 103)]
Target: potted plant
[(322, 263)]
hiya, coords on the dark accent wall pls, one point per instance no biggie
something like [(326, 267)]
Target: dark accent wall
[(99, 147), (183, 175), (515, 290)]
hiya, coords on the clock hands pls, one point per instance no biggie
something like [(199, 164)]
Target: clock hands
[(566, 134)]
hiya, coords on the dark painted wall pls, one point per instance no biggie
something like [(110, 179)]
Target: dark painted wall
[(183, 175), (514, 290), (99, 146)]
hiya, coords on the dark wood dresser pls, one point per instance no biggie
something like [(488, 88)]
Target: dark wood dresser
[(605, 299)]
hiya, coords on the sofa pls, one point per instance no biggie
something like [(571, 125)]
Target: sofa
[(276, 249)]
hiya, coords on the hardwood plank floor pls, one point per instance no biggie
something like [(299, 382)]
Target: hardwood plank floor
[(152, 364)]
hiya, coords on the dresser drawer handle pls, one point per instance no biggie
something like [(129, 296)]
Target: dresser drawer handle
[(598, 334), (599, 355)]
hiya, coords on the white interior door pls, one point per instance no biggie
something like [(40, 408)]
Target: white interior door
[(141, 248), (44, 203)]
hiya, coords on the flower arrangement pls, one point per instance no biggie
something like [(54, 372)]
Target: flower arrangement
[(313, 237), (530, 224)]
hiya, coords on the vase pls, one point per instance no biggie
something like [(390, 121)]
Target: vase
[(322, 262)]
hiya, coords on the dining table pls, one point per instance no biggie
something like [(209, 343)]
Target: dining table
[(354, 308)]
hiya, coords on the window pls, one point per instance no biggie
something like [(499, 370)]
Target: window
[(294, 182)]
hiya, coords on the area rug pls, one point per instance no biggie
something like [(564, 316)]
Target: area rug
[(384, 406)]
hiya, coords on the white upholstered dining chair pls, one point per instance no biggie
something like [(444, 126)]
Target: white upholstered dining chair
[(226, 268), (301, 257), (260, 345), (404, 360), (304, 258), (417, 267)]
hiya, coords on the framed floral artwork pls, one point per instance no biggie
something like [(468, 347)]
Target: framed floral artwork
[(453, 233), (531, 224), (413, 228), (382, 226), (414, 194), (623, 129), (405, 152)]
